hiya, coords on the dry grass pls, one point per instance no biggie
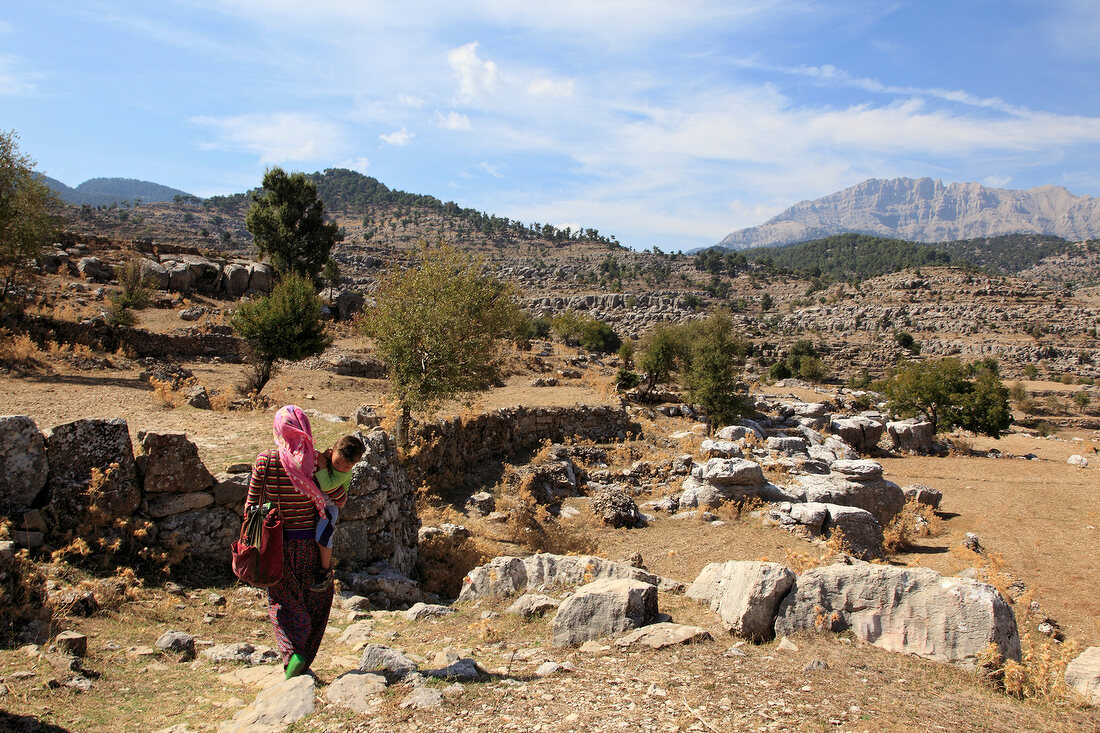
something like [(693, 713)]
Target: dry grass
[(19, 352), (913, 521)]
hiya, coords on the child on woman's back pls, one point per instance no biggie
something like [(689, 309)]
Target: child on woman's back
[(333, 469)]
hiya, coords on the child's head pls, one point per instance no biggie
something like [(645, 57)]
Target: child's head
[(346, 452)]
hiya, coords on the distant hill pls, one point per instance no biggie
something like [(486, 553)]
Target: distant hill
[(859, 256), (924, 210), (106, 191)]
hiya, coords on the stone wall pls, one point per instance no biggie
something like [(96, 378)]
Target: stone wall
[(98, 335), (449, 448), (44, 477)]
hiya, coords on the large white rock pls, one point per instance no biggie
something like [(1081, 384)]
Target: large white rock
[(882, 498), (355, 690), (23, 466), (604, 608), (1083, 674), (911, 436), (732, 472), (862, 433), (275, 708), (745, 594), (860, 532), (506, 575), (911, 610)]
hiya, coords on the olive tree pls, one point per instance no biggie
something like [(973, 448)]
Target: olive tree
[(283, 326), (437, 325), (28, 215), (287, 221), (951, 394)]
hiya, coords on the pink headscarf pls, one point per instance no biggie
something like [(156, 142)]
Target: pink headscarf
[(294, 437)]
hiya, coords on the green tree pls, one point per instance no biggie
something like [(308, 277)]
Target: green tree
[(28, 217), (715, 356), (950, 394), (661, 351), (437, 325), (283, 326), (330, 273), (287, 221)]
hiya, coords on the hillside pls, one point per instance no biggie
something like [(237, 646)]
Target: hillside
[(107, 191), (373, 216), (924, 210)]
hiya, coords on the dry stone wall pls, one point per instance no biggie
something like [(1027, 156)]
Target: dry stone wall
[(448, 448), (167, 485)]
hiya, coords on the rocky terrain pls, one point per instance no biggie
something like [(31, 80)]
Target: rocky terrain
[(925, 210)]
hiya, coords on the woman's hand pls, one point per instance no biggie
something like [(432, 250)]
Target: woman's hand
[(322, 460)]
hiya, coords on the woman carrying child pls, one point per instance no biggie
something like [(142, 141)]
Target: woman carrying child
[(298, 605)]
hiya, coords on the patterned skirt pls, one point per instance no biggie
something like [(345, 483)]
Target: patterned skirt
[(298, 614)]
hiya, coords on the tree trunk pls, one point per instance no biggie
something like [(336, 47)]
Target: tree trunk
[(403, 427)]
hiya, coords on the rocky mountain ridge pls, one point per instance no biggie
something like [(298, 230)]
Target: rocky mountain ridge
[(926, 210)]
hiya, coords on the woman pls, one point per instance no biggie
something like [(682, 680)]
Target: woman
[(298, 613)]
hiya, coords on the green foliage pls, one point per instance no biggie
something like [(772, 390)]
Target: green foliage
[(662, 350), (626, 379), (1031, 371), (766, 302), (626, 353), (847, 257), (136, 289), (779, 370), (1081, 399), (28, 216), (714, 359), (860, 381), (436, 325), (586, 331), (287, 221), (907, 342), (942, 391), (706, 356), (330, 273), (285, 325)]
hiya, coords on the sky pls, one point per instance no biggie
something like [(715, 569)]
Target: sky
[(664, 123)]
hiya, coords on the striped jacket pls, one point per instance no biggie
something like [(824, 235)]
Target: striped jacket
[(297, 510)]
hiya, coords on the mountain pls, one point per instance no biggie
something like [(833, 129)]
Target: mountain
[(924, 210), (105, 191)]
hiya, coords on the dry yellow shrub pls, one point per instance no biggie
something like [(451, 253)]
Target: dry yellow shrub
[(914, 520)]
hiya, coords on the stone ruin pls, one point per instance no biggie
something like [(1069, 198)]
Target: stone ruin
[(45, 477)]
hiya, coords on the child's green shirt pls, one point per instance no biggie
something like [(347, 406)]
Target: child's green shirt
[(329, 480)]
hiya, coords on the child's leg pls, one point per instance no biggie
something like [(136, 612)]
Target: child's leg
[(326, 556)]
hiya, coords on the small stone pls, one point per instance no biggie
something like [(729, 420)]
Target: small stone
[(423, 698), (814, 665), (547, 668), (787, 645), (70, 642)]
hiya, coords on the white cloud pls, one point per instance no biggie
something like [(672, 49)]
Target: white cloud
[(410, 100), (284, 137), (356, 164), (14, 81), (399, 138), (997, 181), (543, 87), (491, 169), (452, 121), (476, 78)]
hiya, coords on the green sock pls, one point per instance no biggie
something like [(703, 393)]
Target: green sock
[(295, 666)]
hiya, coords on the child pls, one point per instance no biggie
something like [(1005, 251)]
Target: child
[(333, 470)]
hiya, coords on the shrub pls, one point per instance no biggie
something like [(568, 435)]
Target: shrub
[(914, 520), (779, 370), (1031, 371), (941, 391), (907, 342), (626, 379)]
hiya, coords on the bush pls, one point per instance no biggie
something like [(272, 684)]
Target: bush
[(779, 370), (586, 331), (942, 392), (626, 379), (907, 342)]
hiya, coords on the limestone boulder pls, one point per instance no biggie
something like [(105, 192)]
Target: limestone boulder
[(706, 495), (506, 575), (809, 516), (720, 449), (153, 273), (909, 610), (23, 464), (787, 446), (386, 661), (731, 472), (1083, 674), (206, 274), (745, 594), (923, 495), (159, 506), (348, 303), (94, 269), (74, 450), (261, 276), (860, 532), (234, 279), (180, 277), (860, 432), (663, 635), (883, 499), (911, 436), (604, 608), (169, 463), (356, 690), (276, 708)]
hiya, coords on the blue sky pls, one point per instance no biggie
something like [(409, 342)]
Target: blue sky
[(663, 123)]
